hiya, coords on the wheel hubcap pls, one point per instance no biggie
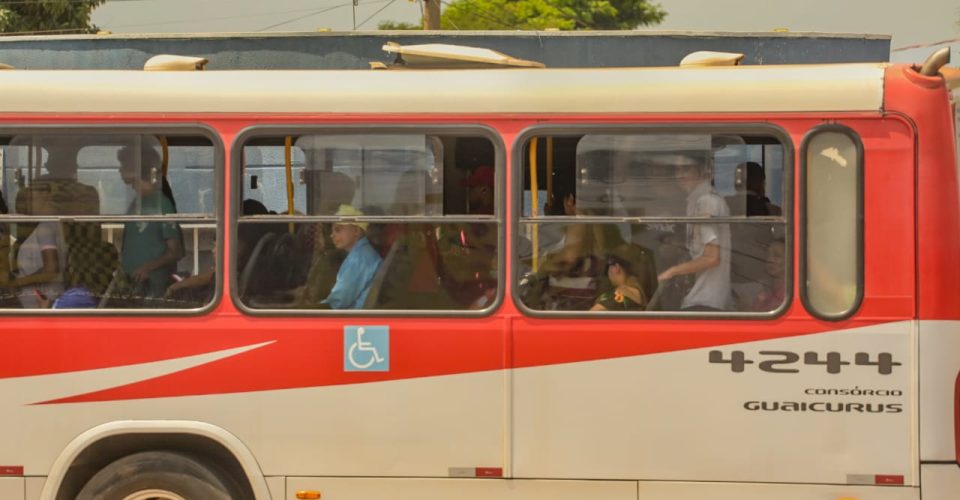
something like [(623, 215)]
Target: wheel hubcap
[(154, 495)]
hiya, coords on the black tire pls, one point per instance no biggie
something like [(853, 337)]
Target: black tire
[(170, 473)]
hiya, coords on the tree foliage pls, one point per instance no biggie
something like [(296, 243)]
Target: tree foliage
[(398, 25), (549, 14), (47, 16)]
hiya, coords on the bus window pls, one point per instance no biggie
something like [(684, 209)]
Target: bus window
[(665, 222), (832, 283), (108, 221), (375, 221)]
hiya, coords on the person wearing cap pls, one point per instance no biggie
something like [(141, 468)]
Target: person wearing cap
[(708, 244), (469, 250), (480, 185), (355, 276)]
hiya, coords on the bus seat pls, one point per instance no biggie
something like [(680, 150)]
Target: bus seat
[(373, 296), (91, 261), (255, 262)]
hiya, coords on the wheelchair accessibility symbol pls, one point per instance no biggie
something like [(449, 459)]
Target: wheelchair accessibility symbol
[(366, 348)]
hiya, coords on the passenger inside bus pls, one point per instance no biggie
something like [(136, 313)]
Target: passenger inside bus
[(774, 287), (150, 250), (708, 244), (626, 292), (314, 240), (40, 258), (749, 265), (359, 267), (469, 251)]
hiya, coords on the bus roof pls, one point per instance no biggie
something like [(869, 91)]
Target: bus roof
[(742, 89)]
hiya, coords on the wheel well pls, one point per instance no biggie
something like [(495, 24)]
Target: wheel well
[(104, 451)]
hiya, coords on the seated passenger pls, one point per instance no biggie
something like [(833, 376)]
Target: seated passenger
[(150, 250), (774, 291), (40, 261), (469, 251), (757, 201), (576, 271), (359, 267), (627, 292)]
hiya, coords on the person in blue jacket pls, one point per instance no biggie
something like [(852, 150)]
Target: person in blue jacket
[(355, 276)]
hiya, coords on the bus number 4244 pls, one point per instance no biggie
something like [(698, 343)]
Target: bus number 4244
[(791, 362)]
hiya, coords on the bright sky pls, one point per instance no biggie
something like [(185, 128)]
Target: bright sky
[(909, 22)]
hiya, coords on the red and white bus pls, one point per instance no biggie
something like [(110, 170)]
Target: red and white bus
[(725, 282)]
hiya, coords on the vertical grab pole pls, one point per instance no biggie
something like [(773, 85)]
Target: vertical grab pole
[(550, 170), (535, 204), (288, 163), (165, 162)]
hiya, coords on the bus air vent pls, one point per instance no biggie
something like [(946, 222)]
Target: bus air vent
[(709, 58), (167, 62), (443, 56)]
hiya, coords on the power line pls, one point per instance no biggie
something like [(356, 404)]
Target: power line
[(311, 14), (925, 45), (375, 13), (195, 19)]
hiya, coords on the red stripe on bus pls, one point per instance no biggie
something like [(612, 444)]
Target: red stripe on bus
[(417, 349)]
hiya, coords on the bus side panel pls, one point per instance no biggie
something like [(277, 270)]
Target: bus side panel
[(939, 481), (681, 416), (12, 488), (765, 407), (939, 372), (301, 413), (926, 101), (461, 489)]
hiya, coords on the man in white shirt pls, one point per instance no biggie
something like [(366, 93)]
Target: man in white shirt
[(708, 244)]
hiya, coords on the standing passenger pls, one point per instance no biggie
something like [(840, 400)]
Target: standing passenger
[(150, 250), (708, 244)]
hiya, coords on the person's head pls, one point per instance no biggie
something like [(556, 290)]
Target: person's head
[(346, 234), (480, 188), (691, 171), (756, 178), (62, 162), (618, 270), (776, 258), (254, 207), (140, 171)]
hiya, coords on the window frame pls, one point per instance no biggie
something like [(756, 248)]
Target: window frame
[(460, 129), (139, 128), (747, 128), (804, 254)]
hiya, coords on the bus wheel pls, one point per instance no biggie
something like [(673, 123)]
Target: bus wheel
[(156, 475)]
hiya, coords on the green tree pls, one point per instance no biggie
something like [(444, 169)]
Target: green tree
[(549, 14), (47, 16), (398, 25)]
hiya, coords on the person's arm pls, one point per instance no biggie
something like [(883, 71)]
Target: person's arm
[(709, 259), (51, 260), (196, 281), (171, 255), (633, 293)]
